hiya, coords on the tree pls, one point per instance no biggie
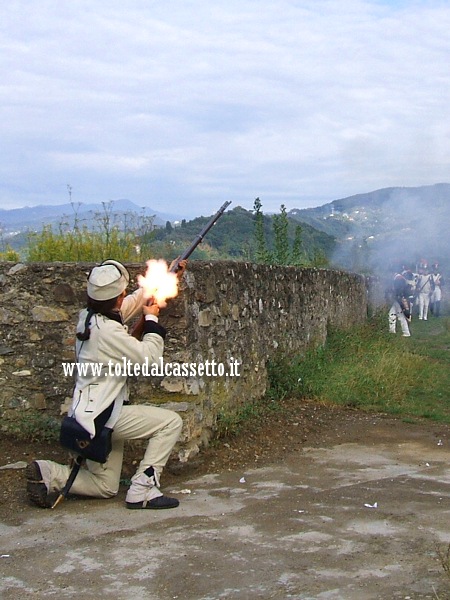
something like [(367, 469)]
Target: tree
[(281, 242), (282, 234), (261, 253), (297, 254)]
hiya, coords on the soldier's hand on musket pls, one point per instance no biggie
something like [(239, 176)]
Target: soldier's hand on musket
[(151, 308), (179, 265)]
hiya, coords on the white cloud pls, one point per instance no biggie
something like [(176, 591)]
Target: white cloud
[(292, 100)]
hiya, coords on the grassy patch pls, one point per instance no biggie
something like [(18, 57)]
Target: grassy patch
[(33, 426), (232, 423), (370, 369), (365, 368)]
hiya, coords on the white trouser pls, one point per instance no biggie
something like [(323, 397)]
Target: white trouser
[(424, 303), (436, 296), (136, 422), (395, 313)]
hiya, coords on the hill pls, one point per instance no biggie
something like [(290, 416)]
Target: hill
[(166, 235), (233, 237), (32, 218), (17, 223), (389, 225), (365, 232)]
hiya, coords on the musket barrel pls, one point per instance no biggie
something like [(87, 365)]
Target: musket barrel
[(186, 254), (138, 328)]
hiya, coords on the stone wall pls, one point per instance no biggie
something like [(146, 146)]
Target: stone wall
[(225, 312)]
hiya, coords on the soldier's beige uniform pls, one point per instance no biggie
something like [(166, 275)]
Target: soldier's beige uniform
[(109, 344)]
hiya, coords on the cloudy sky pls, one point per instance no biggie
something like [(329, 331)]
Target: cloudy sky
[(181, 105)]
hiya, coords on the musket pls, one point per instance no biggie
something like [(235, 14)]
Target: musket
[(78, 461), (139, 327), (186, 254)]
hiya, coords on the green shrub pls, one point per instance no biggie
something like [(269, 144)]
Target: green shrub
[(34, 426), (368, 368)]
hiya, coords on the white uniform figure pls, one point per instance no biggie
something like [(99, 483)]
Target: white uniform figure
[(424, 290), (400, 305), (436, 296), (102, 339)]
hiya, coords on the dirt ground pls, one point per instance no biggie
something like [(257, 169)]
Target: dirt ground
[(269, 440), (286, 510)]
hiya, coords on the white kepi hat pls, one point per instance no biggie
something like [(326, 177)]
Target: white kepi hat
[(107, 281)]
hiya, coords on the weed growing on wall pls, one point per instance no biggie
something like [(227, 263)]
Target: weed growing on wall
[(8, 254), (101, 239)]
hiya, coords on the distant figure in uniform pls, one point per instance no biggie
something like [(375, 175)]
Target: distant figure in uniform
[(400, 309), (424, 290), (411, 279), (436, 295)]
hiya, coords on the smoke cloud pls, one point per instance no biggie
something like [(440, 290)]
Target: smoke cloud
[(393, 227)]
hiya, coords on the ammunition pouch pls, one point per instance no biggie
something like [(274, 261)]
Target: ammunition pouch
[(75, 438), (404, 305)]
